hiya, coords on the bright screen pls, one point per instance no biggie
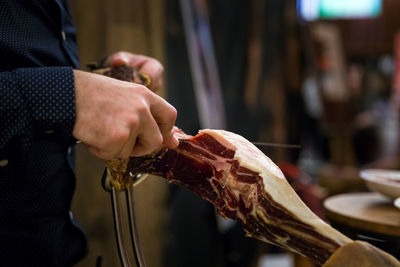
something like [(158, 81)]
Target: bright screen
[(333, 9)]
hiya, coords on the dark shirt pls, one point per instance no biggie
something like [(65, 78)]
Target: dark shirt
[(37, 114)]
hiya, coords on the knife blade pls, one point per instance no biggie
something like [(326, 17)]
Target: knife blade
[(277, 145), (263, 144)]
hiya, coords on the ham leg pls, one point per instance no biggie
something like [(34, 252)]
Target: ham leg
[(243, 184)]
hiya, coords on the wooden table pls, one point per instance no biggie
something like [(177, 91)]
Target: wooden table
[(366, 216)]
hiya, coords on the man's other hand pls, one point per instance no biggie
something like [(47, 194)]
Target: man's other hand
[(147, 65)]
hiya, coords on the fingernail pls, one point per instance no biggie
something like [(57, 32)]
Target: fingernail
[(119, 62)]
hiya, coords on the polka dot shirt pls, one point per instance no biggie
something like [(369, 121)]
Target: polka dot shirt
[(37, 55), (35, 102), (37, 114)]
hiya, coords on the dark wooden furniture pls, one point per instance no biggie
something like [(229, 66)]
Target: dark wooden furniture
[(366, 216)]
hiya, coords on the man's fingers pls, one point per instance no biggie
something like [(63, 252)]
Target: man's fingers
[(127, 148), (171, 141), (118, 62), (148, 65), (149, 139), (125, 58), (165, 115), (118, 59), (155, 70)]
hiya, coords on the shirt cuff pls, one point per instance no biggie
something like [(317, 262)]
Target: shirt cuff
[(49, 95)]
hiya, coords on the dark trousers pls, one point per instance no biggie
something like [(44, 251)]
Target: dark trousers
[(36, 188)]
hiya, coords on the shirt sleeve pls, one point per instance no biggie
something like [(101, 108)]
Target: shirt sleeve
[(35, 102)]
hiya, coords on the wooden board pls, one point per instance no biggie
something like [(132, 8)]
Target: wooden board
[(366, 211)]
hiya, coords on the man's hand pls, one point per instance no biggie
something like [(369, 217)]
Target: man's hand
[(117, 119), (147, 65)]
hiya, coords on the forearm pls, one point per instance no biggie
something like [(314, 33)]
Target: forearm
[(35, 102)]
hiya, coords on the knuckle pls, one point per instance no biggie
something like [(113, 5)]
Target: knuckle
[(173, 113), (141, 89), (121, 136), (156, 65), (161, 68), (142, 108)]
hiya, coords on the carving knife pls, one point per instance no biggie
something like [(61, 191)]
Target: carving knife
[(261, 145), (275, 145)]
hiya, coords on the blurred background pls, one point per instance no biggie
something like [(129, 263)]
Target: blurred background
[(323, 74)]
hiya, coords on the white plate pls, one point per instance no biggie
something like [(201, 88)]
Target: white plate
[(386, 182), (397, 203)]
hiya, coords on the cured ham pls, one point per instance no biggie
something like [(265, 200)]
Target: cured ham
[(243, 184)]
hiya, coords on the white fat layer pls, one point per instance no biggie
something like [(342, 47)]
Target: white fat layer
[(274, 181)]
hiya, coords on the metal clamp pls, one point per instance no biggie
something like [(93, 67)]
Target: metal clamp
[(119, 219)]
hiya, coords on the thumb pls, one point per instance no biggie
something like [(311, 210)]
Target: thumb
[(119, 59)]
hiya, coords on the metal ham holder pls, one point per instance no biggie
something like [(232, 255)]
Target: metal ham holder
[(127, 250), (211, 114)]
